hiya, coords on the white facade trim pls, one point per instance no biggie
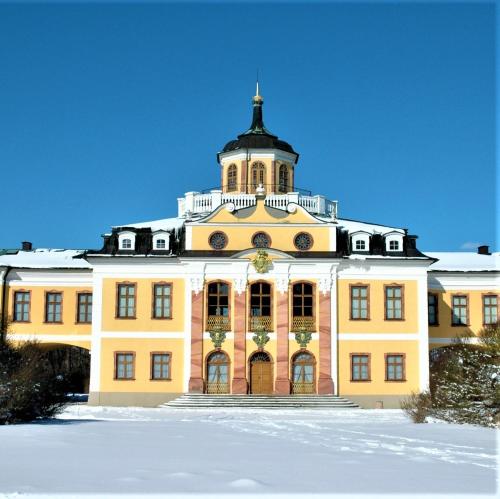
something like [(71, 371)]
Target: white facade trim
[(53, 338), (423, 327), (95, 348), (187, 335), (379, 336), (451, 341), (143, 334), (122, 236), (334, 332)]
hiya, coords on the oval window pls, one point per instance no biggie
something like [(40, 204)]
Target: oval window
[(261, 240), (218, 240), (303, 241)]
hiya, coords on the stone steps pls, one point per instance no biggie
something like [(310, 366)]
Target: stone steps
[(202, 401)]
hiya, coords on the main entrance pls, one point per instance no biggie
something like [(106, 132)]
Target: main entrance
[(261, 374), (218, 373), (303, 365)]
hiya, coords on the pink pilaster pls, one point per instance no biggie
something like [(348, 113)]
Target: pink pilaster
[(325, 382), (282, 384), (240, 384), (196, 380)]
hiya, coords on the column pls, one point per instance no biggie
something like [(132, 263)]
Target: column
[(325, 383), (240, 384), (244, 171), (282, 384), (196, 379)]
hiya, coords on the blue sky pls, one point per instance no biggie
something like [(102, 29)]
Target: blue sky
[(108, 113)]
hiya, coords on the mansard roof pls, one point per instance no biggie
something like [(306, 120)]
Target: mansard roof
[(44, 258)]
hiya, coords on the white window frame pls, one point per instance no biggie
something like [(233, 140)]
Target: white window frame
[(161, 235), (126, 235), (394, 236), (360, 236)]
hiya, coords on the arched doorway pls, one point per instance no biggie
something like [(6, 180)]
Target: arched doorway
[(303, 373), (218, 373), (261, 374)]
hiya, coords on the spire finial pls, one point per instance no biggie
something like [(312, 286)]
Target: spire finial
[(257, 99)]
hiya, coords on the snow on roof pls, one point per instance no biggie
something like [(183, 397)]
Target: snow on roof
[(168, 224), (355, 226), (44, 258), (464, 261)]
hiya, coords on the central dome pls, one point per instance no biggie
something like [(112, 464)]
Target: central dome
[(257, 136)]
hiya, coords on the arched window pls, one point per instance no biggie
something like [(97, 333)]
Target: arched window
[(302, 307), (260, 306), (283, 179), (258, 174), (232, 178), (218, 306), (303, 364), (218, 373)]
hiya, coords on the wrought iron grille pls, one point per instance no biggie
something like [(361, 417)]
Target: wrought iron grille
[(303, 324), (218, 322), (217, 388), (259, 323), (302, 388)]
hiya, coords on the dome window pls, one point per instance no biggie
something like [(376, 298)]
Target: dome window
[(394, 242), (232, 180), (218, 240), (161, 240), (258, 174), (360, 241), (303, 241), (161, 244), (360, 245), (261, 240), (283, 179)]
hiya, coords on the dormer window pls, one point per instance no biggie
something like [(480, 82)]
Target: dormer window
[(394, 242), (360, 241), (126, 240), (394, 245), (360, 245), (161, 241)]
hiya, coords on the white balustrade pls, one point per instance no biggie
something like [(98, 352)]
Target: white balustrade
[(197, 203)]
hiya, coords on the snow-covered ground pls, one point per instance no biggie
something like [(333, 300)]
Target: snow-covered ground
[(105, 450)]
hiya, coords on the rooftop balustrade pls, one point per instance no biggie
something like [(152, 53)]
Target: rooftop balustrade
[(197, 203)]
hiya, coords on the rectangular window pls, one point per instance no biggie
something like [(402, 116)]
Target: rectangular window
[(393, 302), (360, 367), (53, 307), (359, 303), (124, 365), (21, 306), (459, 310), (84, 312), (126, 301), (395, 367), (490, 309), (160, 365), (162, 301), (432, 306)]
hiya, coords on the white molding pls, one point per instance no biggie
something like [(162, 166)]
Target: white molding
[(333, 238), (229, 335), (187, 335), (423, 328), (334, 332), (314, 337), (325, 284), (143, 334), (188, 237), (126, 234), (451, 341), (95, 348), (52, 338), (379, 336), (161, 234), (240, 284)]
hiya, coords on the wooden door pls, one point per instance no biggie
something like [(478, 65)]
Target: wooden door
[(261, 380)]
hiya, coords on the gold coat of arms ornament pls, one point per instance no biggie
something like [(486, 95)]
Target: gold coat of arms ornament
[(262, 262)]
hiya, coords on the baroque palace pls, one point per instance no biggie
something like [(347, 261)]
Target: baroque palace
[(254, 288)]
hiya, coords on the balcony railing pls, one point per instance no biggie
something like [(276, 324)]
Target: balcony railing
[(302, 388), (218, 322), (306, 324), (217, 388), (259, 323), (196, 203)]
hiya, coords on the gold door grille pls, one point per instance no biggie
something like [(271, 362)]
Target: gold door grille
[(217, 388), (302, 388)]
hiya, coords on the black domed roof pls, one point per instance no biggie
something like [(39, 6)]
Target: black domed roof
[(257, 136)]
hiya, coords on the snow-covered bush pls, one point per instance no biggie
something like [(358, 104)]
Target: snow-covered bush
[(29, 387), (464, 381), (417, 406)]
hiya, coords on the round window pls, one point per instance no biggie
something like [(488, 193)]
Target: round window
[(261, 240), (303, 241), (218, 240)]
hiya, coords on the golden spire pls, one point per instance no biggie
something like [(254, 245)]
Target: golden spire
[(257, 97)]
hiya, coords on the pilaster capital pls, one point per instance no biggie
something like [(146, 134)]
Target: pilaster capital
[(325, 284), (197, 283), (282, 283), (240, 284)]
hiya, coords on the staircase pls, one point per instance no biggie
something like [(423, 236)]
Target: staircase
[(204, 401)]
